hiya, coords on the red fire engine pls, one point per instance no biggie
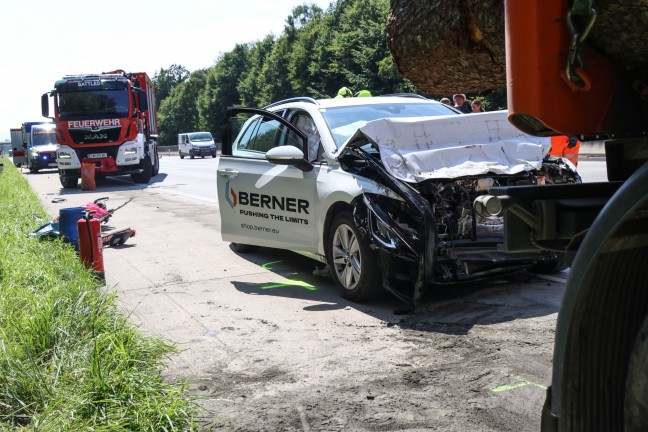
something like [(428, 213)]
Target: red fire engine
[(107, 120)]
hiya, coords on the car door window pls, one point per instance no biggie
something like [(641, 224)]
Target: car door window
[(259, 134), (305, 123)]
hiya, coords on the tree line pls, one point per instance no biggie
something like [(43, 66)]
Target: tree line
[(317, 52)]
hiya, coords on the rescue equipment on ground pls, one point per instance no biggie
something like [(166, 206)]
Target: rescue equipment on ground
[(66, 224), (67, 227), (91, 244)]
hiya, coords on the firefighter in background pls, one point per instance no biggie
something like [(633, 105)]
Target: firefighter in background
[(566, 146), (344, 92)]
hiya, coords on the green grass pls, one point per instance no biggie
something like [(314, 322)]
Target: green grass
[(69, 361)]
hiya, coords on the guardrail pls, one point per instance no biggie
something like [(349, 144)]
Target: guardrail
[(173, 150)]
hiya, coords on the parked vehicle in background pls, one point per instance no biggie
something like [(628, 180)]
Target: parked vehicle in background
[(108, 120), (17, 150), (194, 144), (41, 152), (381, 189), (5, 149)]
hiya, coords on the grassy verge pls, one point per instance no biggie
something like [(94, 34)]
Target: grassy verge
[(68, 360)]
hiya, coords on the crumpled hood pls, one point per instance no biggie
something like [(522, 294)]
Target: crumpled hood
[(418, 149)]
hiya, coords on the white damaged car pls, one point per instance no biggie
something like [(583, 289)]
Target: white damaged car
[(381, 189)]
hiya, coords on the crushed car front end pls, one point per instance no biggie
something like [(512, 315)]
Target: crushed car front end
[(432, 235)]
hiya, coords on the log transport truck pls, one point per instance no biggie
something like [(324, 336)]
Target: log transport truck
[(567, 75), (107, 120)]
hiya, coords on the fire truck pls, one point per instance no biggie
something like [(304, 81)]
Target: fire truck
[(107, 120)]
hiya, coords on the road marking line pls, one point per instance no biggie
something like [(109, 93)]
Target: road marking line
[(267, 265), (522, 383), (290, 282)]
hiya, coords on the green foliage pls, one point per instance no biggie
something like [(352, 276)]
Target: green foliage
[(167, 79), (221, 88), (179, 111), (317, 53), (68, 360)]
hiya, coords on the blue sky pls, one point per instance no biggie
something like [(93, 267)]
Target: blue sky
[(43, 40)]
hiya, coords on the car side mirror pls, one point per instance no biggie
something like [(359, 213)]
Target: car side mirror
[(288, 155)]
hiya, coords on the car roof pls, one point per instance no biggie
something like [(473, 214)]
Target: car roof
[(339, 102)]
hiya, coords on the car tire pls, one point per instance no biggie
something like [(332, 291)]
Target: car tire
[(191, 154), (181, 155), (213, 154), (202, 156), (147, 171), (69, 182), (243, 248), (353, 265)]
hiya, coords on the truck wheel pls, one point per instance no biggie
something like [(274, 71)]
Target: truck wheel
[(181, 155), (202, 156), (147, 171), (156, 163), (191, 154), (636, 391), (33, 170), (69, 182), (353, 265)]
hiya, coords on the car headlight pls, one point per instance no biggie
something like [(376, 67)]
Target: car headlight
[(34, 153), (130, 151), (383, 232)]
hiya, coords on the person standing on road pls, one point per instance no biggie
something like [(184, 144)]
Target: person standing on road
[(565, 146), (460, 103)]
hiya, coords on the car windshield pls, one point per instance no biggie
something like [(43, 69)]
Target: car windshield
[(43, 137), (345, 120), (200, 136)]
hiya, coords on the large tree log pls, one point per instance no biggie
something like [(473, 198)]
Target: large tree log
[(446, 47)]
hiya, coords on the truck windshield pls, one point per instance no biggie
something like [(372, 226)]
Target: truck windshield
[(109, 103), (45, 137), (200, 136)]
